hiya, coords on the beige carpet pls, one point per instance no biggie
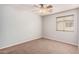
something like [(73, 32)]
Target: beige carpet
[(41, 46)]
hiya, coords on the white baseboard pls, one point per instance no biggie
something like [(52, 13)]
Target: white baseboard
[(56, 39), (20, 42)]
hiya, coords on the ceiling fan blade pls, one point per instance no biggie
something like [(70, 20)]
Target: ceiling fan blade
[(42, 5), (50, 6), (38, 6)]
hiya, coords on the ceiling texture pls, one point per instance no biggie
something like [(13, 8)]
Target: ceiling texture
[(56, 8)]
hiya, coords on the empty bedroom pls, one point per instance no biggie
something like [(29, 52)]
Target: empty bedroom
[(39, 28)]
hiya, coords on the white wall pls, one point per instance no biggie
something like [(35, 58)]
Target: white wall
[(78, 25), (18, 26), (49, 28)]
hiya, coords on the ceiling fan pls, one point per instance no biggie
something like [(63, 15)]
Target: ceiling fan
[(44, 8)]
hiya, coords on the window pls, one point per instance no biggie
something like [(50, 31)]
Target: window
[(65, 23)]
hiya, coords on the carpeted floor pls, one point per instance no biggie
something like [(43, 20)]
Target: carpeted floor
[(40, 46)]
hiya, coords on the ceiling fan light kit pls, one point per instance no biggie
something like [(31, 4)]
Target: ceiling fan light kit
[(44, 8)]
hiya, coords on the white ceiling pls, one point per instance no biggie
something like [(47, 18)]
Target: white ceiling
[(56, 7), (63, 7)]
